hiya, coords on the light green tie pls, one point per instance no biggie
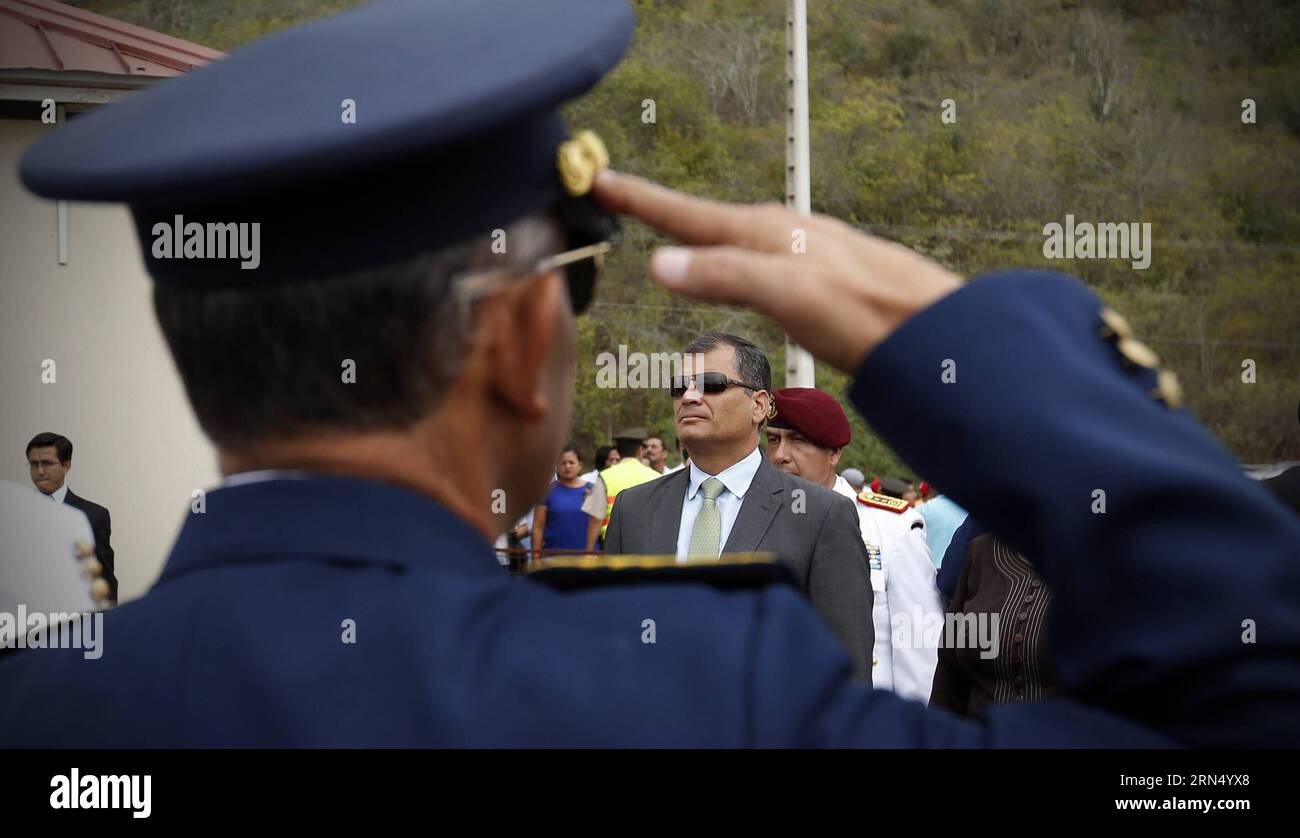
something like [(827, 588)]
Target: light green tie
[(706, 537)]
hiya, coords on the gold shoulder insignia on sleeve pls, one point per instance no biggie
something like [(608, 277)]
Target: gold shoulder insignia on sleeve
[(1114, 326), (1137, 352), (1168, 390), (869, 498)]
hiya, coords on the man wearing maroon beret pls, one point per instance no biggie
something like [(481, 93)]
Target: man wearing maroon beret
[(805, 438)]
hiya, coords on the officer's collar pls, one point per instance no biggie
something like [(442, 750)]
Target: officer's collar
[(326, 519)]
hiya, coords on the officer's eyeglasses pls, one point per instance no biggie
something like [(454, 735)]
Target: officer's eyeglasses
[(584, 266), (708, 383)]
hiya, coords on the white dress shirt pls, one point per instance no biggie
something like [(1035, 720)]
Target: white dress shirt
[(736, 478), (906, 612), (58, 494)]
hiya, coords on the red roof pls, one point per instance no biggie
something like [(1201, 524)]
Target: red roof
[(45, 35)]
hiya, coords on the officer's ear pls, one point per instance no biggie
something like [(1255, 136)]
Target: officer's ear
[(520, 328)]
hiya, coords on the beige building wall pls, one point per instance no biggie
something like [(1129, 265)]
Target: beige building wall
[(137, 448)]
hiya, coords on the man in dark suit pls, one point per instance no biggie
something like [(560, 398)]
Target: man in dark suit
[(49, 459), (732, 500)]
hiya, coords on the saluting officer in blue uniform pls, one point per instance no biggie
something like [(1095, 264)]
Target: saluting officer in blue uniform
[(340, 588)]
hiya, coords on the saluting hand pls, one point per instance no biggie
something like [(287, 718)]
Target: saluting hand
[(839, 297)]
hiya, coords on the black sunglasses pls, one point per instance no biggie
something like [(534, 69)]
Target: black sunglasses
[(708, 383), (583, 266)]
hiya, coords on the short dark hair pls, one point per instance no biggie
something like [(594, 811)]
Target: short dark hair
[(751, 364), (268, 361), (602, 457), (566, 449), (62, 445), (628, 447)]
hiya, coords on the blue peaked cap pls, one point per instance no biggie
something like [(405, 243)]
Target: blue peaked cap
[(456, 133)]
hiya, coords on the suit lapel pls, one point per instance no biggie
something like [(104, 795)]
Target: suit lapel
[(668, 510), (762, 502)]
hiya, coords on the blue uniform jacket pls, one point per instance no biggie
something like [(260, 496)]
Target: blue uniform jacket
[(241, 640)]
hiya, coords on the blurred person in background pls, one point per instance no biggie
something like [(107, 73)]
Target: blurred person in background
[(606, 456), (855, 478), (49, 459), (656, 454), (559, 522), (629, 471), (942, 518)]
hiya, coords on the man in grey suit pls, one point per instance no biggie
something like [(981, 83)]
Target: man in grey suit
[(730, 499)]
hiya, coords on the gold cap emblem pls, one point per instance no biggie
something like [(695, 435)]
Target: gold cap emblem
[(578, 160)]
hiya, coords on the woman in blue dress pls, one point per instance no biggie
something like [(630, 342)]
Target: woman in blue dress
[(558, 521)]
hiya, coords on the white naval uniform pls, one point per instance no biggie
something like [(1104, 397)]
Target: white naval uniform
[(904, 589)]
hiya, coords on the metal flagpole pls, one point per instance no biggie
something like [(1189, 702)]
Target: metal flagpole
[(798, 192)]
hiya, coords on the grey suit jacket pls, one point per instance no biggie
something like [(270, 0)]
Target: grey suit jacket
[(816, 534)]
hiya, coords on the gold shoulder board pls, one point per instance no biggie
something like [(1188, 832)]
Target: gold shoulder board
[(870, 498)]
